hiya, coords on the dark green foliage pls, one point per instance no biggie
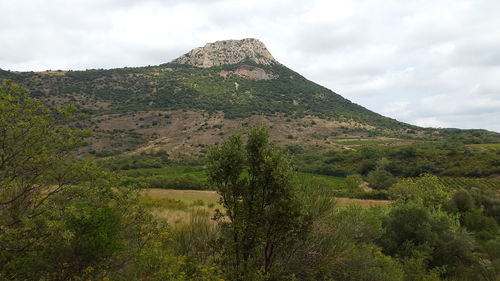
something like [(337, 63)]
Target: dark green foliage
[(43, 213), (169, 182), (262, 215), (380, 179), (129, 89), (151, 160), (437, 158), (484, 228), (366, 263), (61, 218), (412, 229), (341, 246), (96, 231), (462, 201)]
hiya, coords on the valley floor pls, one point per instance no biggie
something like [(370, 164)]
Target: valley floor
[(180, 207)]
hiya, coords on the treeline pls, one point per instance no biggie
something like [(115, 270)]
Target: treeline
[(156, 170)]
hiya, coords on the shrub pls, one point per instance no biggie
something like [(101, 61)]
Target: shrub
[(380, 179)]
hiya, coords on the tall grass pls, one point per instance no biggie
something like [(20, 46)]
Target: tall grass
[(197, 238)]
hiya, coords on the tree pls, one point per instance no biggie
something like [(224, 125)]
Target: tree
[(262, 212), (380, 179), (61, 217), (426, 190), (34, 154), (415, 231)]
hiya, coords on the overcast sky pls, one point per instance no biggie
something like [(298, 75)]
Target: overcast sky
[(429, 63)]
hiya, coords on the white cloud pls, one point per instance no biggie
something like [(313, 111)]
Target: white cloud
[(397, 109), (430, 122)]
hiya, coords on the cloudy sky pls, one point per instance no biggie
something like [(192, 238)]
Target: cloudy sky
[(430, 62)]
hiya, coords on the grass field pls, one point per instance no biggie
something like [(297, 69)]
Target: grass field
[(179, 207), (490, 146), (169, 171), (195, 177), (187, 196), (361, 202)]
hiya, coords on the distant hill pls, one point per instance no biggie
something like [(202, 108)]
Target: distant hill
[(200, 97)]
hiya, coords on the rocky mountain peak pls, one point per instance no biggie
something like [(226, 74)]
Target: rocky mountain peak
[(227, 52)]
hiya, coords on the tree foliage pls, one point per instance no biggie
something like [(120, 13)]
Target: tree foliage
[(262, 212), (61, 217)]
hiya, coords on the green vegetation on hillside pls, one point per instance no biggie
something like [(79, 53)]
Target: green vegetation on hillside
[(172, 87), (144, 98), (446, 158)]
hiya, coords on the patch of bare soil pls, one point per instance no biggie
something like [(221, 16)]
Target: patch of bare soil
[(249, 72)]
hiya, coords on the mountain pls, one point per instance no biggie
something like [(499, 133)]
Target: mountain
[(197, 99)]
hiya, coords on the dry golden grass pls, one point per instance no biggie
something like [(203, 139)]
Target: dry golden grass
[(361, 202), (208, 196), (181, 217), (188, 196), (180, 207)]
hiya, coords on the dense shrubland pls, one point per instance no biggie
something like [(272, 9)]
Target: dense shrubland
[(190, 88), (445, 158)]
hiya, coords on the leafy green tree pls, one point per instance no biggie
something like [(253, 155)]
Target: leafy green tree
[(380, 179), (484, 228), (33, 155), (462, 201), (413, 231), (35, 165), (341, 245), (426, 190), (62, 218), (262, 213)]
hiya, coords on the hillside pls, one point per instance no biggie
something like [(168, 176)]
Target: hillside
[(196, 99)]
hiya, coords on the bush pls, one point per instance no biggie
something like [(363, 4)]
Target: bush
[(413, 231), (167, 182), (484, 228), (380, 179), (353, 182), (462, 201)]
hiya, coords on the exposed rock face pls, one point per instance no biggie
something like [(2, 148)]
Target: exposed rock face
[(227, 52), (249, 72)]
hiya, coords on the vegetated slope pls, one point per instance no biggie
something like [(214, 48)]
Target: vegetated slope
[(174, 87), (201, 96)]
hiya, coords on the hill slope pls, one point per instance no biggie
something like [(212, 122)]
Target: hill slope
[(199, 97)]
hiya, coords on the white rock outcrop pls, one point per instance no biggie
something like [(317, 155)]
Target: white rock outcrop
[(227, 52)]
